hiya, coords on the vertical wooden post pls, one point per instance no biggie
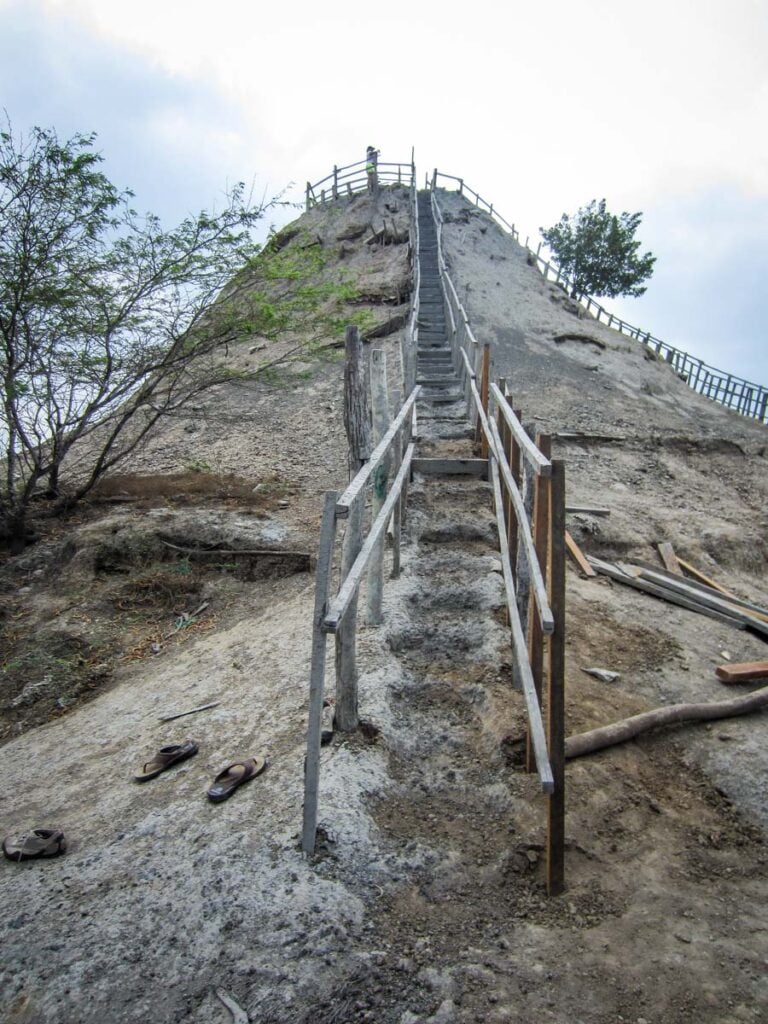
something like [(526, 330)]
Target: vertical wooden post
[(523, 576), (380, 419), (485, 379), (477, 367), (317, 673), (335, 182), (541, 543), (309, 186), (556, 701), (397, 519), (356, 424)]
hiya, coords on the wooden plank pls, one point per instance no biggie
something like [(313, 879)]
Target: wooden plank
[(742, 671), (540, 590), (578, 555), (760, 611), (701, 578), (380, 420), (380, 451), (528, 448), (669, 558), (719, 604), (666, 595), (351, 579), (556, 690), (520, 649), (455, 467), (317, 673)]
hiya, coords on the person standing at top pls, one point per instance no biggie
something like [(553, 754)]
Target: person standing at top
[(371, 165)]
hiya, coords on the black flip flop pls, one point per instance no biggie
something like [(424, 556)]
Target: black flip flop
[(226, 782), (165, 758), (40, 842)]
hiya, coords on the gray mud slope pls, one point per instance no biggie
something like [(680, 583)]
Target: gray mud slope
[(425, 903)]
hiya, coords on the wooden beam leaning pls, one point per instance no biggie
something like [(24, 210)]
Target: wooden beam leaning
[(556, 694), (614, 572), (578, 556), (351, 582), (669, 558), (317, 673), (520, 648), (754, 620), (541, 464), (379, 452), (539, 588)]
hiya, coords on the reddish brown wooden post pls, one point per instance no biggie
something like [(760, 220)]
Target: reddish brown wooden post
[(541, 543), (556, 702)]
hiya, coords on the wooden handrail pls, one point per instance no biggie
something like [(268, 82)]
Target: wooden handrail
[(496, 448), (540, 465), (519, 647), (349, 586), (377, 455)]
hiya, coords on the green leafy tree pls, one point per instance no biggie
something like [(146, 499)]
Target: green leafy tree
[(107, 320), (598, 251)]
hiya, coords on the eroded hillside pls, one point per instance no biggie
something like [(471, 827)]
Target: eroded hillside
[(425, 902)]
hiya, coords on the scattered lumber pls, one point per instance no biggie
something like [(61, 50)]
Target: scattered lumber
[(687, 594), (578, 555), (615, 573), (669, 558), (742, 672), (628, 728), (701, 578)]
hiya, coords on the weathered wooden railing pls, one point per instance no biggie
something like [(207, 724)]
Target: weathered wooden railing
[(410, 339), (337, 613), (742, 396), (529, 497), (358, 177)]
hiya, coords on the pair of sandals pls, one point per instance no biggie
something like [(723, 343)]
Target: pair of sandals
[(51, 842), (225, 783)]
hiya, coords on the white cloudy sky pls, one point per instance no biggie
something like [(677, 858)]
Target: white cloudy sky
[(660, 106)]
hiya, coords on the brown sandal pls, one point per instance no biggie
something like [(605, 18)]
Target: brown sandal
[(226, 782), (164, 758), (40, 842)]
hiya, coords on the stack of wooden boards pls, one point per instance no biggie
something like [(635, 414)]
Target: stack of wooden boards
[(688, 593)]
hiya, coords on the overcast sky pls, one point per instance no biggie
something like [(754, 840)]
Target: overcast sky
[(660, 107)]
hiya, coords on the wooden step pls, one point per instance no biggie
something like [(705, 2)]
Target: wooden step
[(451, 467)]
